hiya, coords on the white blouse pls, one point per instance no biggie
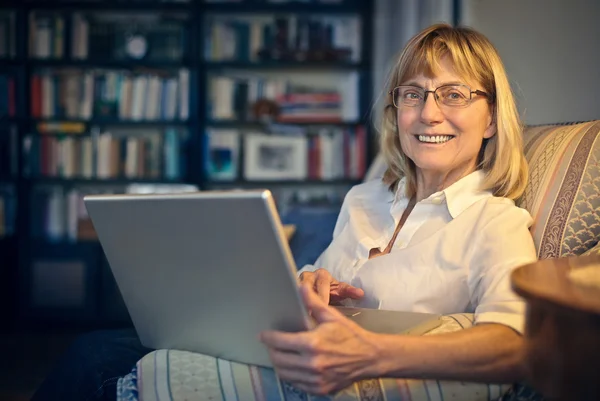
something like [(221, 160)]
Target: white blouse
[(454, 253)]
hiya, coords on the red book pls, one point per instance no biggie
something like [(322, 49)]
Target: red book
[(36, 96), (12, 101)]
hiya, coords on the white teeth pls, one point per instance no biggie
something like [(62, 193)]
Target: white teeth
[(434, 138)]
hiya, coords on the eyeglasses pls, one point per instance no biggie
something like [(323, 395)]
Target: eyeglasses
[(454, 96)]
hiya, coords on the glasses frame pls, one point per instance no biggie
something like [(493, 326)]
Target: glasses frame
[(436, 98)]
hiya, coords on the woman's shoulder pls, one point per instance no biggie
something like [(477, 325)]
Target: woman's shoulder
[(372, 190), (500, 209)]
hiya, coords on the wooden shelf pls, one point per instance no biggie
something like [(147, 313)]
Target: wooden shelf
[(283, 65), (347, 7), (258, 124), (40, 242), (278, 183), (111, 121), (10, 62), (98, 181), (107, 5), (8, 179), (98, 64)]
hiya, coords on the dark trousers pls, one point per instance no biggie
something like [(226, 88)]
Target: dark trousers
[(90, 368)]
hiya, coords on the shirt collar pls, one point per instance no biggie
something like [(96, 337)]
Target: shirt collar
[(457, 197)]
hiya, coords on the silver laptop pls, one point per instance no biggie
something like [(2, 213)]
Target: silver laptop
[(208, 271)]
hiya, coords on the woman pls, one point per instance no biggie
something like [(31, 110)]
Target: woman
[(440, 233)]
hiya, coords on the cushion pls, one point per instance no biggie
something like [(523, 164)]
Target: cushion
[(563, 194), (314, 230), (170, 375)]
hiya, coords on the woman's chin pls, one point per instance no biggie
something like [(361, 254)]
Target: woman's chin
[(433, 166)]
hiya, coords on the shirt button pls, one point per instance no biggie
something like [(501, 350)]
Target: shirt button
[(437, 201)]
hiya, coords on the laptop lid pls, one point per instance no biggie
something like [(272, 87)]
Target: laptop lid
[(192, 269), (208, 271)]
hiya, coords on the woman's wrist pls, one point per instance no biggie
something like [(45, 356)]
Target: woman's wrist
[(393, 356)]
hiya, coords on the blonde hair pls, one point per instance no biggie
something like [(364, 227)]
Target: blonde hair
[(474, 57)]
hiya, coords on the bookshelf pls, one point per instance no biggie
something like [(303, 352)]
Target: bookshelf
[(108, 95)]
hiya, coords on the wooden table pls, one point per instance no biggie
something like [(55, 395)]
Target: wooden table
[(562, 332)]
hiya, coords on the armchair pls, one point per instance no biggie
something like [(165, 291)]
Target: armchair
[(563, 196)]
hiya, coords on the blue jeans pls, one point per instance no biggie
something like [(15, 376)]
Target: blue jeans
[(90, 368)]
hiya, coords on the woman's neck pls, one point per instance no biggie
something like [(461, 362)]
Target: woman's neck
[(429, 182)]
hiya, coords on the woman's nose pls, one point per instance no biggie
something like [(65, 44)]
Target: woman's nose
[(430, 111)]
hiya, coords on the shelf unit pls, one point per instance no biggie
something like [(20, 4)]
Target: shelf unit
[(29, 254)]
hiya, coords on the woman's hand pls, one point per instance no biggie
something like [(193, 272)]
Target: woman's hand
[(328, 358), (329, 289)]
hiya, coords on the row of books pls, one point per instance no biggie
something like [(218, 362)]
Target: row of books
[(60, 214), (8, 96), (8, 210), (283, 38), (322, 153), (46, 35), (149, 154), (119, 36), (336, 100), (8, 43), (83, 94)]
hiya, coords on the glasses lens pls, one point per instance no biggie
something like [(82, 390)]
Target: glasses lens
[(410, 96), (453, 95)]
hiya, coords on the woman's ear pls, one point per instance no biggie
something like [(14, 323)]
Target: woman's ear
[(491, 129)]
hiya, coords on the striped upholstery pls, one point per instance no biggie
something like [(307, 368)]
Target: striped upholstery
[(563, 194), (170, 375)]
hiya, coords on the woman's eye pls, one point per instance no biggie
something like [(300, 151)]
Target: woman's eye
[(454, 95), (412, 96)]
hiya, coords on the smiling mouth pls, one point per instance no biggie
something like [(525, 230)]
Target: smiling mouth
[(434, 138)]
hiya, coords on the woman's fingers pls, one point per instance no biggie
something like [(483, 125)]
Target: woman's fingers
[(307, 278), (287, 342), (288, 360), (320, 281), (345, 290), (328, 288), (298, 371), (323, 285)]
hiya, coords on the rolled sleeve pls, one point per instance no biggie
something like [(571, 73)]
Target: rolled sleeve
[(505, 243)]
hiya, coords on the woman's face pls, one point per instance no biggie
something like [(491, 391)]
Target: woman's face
[(459, 131)]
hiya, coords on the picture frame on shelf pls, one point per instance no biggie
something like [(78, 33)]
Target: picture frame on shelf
[(273, 157)]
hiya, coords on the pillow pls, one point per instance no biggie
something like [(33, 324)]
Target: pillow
[(314, 230)]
